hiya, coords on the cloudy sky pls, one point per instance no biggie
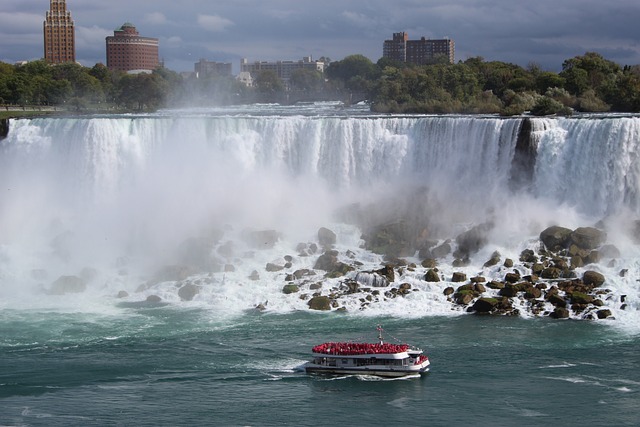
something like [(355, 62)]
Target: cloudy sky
[(545, 32)]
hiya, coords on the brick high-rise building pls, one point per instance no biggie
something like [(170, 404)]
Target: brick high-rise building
[(128, 51), (420, 52), (59, 34)]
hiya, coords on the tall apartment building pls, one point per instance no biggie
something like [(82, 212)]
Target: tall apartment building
[(59, 34), (283, 69), (420, 52), (128, 51), (211, 68)]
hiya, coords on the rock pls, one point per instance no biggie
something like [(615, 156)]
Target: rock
[(464, 297), (529, 256), (508, 263), (609, 251), (531, 292), (485, 305), (448, 291), (387, 272), (154, 299), (560, 313), (299, 274), (432, 276), (588, 237), (329, 263), (326, 237), (459, 277), (473, 240), (581, 298), (290, 289), (603, 314), (441, 251), (556, 238), (512, 277), (123, 294), (593, 278), (495, 285), (429, 263), (388, 239), (321, 303), (272, 268), (254, 275), (557, 300), (510, 290), (551, 273), (68, 285), (494, 260), (188, 292), (229, 268)]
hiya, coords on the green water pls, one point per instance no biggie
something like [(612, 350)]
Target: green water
[(173, 366)]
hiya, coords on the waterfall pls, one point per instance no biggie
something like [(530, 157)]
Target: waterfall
[(118, 192)]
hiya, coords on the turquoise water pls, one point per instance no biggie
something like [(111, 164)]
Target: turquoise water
[(154, 365)]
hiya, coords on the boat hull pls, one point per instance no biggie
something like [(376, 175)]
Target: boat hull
[(379, 372)]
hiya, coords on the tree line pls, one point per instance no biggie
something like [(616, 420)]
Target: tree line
[(587, 83)]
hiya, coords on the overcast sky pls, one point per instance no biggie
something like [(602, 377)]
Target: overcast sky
[(542, 31)]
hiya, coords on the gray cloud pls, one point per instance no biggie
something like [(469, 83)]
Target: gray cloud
[(545, 31)]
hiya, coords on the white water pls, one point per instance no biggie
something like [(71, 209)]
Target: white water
[(121, 195)]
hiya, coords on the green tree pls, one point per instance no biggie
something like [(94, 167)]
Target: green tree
[(356, 71), (309, 80), (267, 81)]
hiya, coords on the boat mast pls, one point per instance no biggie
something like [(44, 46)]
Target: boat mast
[(381, 341)]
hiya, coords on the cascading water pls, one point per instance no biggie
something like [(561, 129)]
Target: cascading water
[(121, 197)]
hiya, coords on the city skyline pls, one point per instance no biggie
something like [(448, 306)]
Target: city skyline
[(545, 33)]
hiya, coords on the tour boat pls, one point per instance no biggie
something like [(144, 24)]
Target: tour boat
[(380, 359)]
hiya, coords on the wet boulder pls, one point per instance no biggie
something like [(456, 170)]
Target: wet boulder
[(588, 237), (321, 303), (432, 276), (329, 262), (68, 285), (290, 289), (326, 237), (593, 278), (473, 240), (459, 277), (485, 305), (556, 237), (188, 292)]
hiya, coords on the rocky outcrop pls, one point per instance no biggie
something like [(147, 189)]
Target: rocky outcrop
[(4, 128)]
